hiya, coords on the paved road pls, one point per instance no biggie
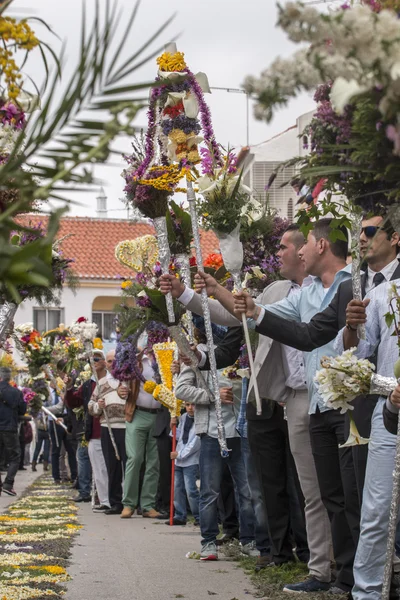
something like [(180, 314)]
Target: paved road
[(142, 559), (22, 480)]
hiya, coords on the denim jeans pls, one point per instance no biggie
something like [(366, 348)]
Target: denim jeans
[(43, 438), (84, 471), (261, 531), (370, 557), (185, 485), (211, 466)]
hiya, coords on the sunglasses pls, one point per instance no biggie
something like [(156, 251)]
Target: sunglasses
[(97, 359), (370, 231)]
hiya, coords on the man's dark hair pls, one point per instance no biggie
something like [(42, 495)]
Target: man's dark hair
[(388, 228), (298, 237), (5, 374), (322, 230)]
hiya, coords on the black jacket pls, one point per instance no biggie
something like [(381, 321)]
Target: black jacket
[(228, 350), (12, 405), (76, 399), (390, 420), (322, 328)]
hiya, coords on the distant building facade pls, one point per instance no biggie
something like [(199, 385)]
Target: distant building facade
[(262, 159)]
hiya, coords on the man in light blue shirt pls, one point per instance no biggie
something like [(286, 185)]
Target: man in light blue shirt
[(326, 262)]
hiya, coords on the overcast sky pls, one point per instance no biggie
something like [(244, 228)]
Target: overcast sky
[(227, 39)]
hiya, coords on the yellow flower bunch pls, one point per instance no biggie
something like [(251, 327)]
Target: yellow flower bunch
[(178, 136), (171, 62), (23, 38), (171, 176), (97, 343), (164, 354), (164, 396), (126, 284)]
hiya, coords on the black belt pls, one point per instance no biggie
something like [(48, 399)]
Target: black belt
[(153, 411)]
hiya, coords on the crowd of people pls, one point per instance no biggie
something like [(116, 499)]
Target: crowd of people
[(288, 490)]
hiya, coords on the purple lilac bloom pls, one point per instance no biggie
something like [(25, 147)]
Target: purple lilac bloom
[(205, 117)]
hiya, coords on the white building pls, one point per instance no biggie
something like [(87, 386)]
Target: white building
[(262, 159)]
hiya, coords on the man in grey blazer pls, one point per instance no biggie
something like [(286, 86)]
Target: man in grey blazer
[(281, 380)]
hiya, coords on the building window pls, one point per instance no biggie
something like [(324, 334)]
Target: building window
[(105, 321), (290, 210), (47, 318)]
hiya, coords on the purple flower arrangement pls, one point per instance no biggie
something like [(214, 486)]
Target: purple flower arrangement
[(126, 364)]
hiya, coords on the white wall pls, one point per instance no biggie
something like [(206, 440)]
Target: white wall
[(75, 306)]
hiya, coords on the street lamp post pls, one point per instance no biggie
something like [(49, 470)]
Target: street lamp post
[(240, 91)]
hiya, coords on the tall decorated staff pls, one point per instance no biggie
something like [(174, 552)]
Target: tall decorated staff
[(225, 202), (185, 115), (172, 139), (180, 237)]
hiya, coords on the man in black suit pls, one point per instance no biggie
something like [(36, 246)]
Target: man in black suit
[(379, 247), (12, 406)]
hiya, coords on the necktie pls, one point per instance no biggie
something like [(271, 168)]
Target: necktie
[(378, 278)]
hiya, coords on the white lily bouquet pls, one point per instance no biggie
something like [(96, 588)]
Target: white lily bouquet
[(343, 378)]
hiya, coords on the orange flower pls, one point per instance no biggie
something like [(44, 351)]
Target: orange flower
[(214, 261)]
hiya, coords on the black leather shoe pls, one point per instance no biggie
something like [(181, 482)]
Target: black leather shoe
[(176, 522), (114, 510), (82, 499), (163, 516)]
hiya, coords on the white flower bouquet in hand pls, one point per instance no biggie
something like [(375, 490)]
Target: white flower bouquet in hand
[(341, 379)]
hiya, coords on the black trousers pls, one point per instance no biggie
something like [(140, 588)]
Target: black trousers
[(227, 504), (164, 446), (338, 487), (115, 467), (364, 407), (10, 448), (63, 438), (269, 445)]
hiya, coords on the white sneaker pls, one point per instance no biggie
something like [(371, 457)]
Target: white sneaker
[(250, 549), (209, 551)]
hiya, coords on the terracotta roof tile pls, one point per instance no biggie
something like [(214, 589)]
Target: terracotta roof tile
[(91, 243)]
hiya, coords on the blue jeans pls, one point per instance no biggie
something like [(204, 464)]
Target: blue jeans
[(211, 466), (261, 531), (84, 471), (43, 438), (185, 485), (370, 557)]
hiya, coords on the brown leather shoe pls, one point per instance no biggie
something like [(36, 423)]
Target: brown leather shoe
[(150, 514), (127, 512)]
